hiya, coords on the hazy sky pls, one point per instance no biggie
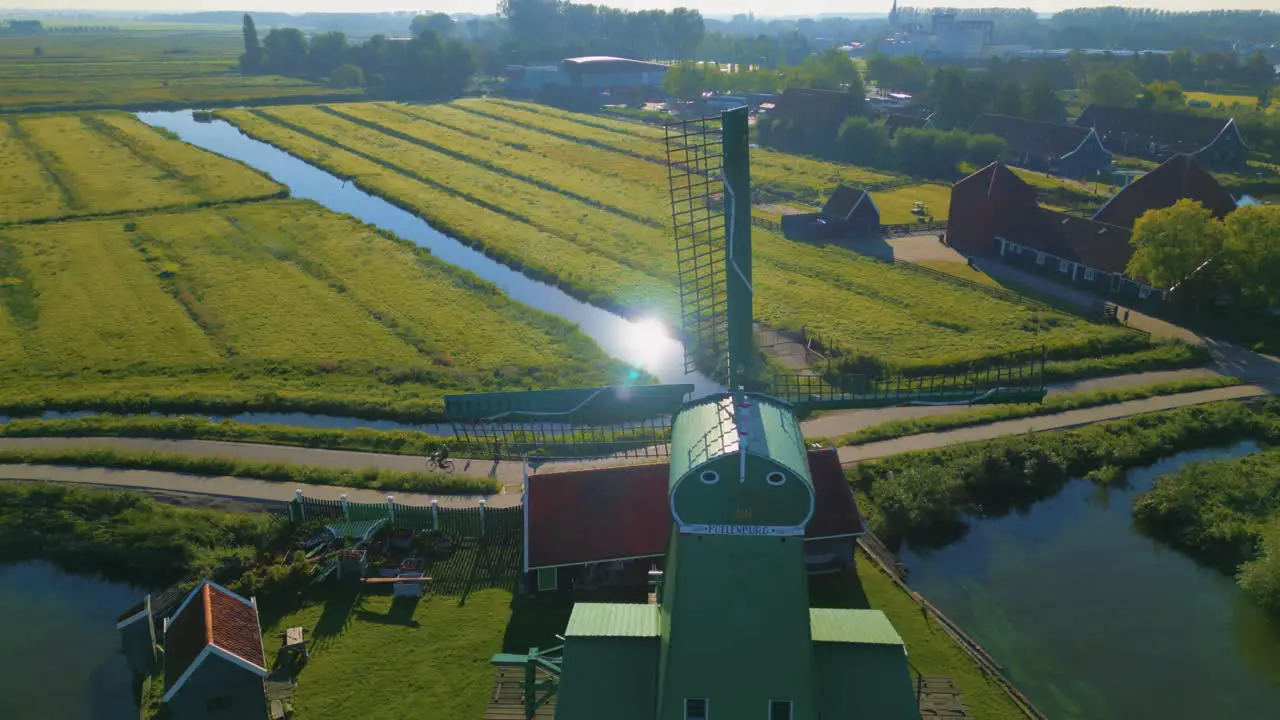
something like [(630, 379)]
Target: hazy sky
[(710, 7)]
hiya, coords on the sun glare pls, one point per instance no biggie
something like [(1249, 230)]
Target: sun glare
[(648, 342)]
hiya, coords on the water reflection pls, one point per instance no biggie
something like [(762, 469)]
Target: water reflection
[(1095, 621), (59, 651), (643, 343)]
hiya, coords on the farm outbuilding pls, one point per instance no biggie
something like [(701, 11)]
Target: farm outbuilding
[(983, 205), (1066, 150), (1213, 141), (1178, 177), (592, 74), (214, 661), (848, 213), (610, 525)]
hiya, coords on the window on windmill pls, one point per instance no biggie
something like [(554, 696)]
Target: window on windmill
[(1063, 266), (695, 709), (779, 710), (1144, 292), (1039, 258), (1088, 274)]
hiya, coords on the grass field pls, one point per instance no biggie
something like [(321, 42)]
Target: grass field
[(258, 304), (65, 165), (1246, 101), (137, 67), (592, 214), (377, 657)]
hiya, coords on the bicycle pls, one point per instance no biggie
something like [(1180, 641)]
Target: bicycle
[(443, 464)]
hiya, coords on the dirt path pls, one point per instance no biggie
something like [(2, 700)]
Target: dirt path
[(509, 474)]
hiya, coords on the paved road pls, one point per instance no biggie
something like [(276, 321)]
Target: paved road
[(1071, 418), (509, 474)]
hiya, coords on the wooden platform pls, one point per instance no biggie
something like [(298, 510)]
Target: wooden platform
[(507, 699), (940, 698)]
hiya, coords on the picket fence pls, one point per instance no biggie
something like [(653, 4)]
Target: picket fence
[(463, 522)]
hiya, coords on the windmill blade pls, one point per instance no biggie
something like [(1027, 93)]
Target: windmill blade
[(612, 421), (1009, 377), (695, 166)]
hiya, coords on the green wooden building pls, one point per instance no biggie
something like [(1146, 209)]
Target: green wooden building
[(732, 634)]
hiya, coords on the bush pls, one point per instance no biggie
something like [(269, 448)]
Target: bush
[(124, 535), (983, 150), (926, 495), (1261, 577), (863, 143), (346, 76)]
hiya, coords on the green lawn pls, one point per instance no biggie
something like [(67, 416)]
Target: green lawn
[(1248, 101), (377, 658)]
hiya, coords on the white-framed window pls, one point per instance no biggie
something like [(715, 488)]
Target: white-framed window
[(548, 579), (696, 709), (1039, 258), (710, 477), (1089, 273), (779, 710), (1064, 266), (775, 478), (1144, 292)]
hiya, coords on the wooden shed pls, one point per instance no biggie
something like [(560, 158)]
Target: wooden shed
[(214, 662), (849, 213)]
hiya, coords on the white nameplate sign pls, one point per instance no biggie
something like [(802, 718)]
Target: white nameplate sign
[(771, 530)]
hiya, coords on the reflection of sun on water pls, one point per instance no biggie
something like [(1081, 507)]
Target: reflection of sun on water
[(648, 342)]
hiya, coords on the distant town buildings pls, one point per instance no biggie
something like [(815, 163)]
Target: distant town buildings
[(946, 38)]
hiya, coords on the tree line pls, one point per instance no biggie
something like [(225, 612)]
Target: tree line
[(543, 29), (425, 66)]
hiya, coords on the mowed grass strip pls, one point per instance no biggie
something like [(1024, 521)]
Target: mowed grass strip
[(103, 175), (578, 181), (86, 301), (588, 230), (512, 240), (262, 306), (901, 318), (63, 166), (28, 190), (210, 176)]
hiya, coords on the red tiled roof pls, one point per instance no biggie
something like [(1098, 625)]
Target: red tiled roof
[(1178, 177), (583, 516), (211, 616), (835, 511)]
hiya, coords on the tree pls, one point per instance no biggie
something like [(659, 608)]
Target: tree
[(1009, 100), (828, 70), (1170, 243), (863, 142), (1113, 86), (251, 60), (438, 23), (688, 80), (1251, 249), (284, 52), (681, 33), (347, 76), (983, 150), (1162, 95), (1258, 72), (325, 52), (1042, 103), (1182, 66)]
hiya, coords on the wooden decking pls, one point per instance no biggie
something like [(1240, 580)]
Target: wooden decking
[(940, 698), (507, 700)]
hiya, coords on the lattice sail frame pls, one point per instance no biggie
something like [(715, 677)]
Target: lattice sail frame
[(695, 166)]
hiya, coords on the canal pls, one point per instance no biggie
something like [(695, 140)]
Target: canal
[(1094, 621), (59, 651), (643, 343)]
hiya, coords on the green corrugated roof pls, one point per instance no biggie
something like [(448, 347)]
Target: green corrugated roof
[(867, 627), (708, 428), (613, 620)]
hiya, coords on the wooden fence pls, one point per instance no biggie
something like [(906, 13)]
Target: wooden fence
[(463, 522)]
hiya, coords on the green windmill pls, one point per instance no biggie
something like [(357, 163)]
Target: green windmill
[(728, 632)]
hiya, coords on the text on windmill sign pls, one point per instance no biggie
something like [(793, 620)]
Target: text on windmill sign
[(770, 530)]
